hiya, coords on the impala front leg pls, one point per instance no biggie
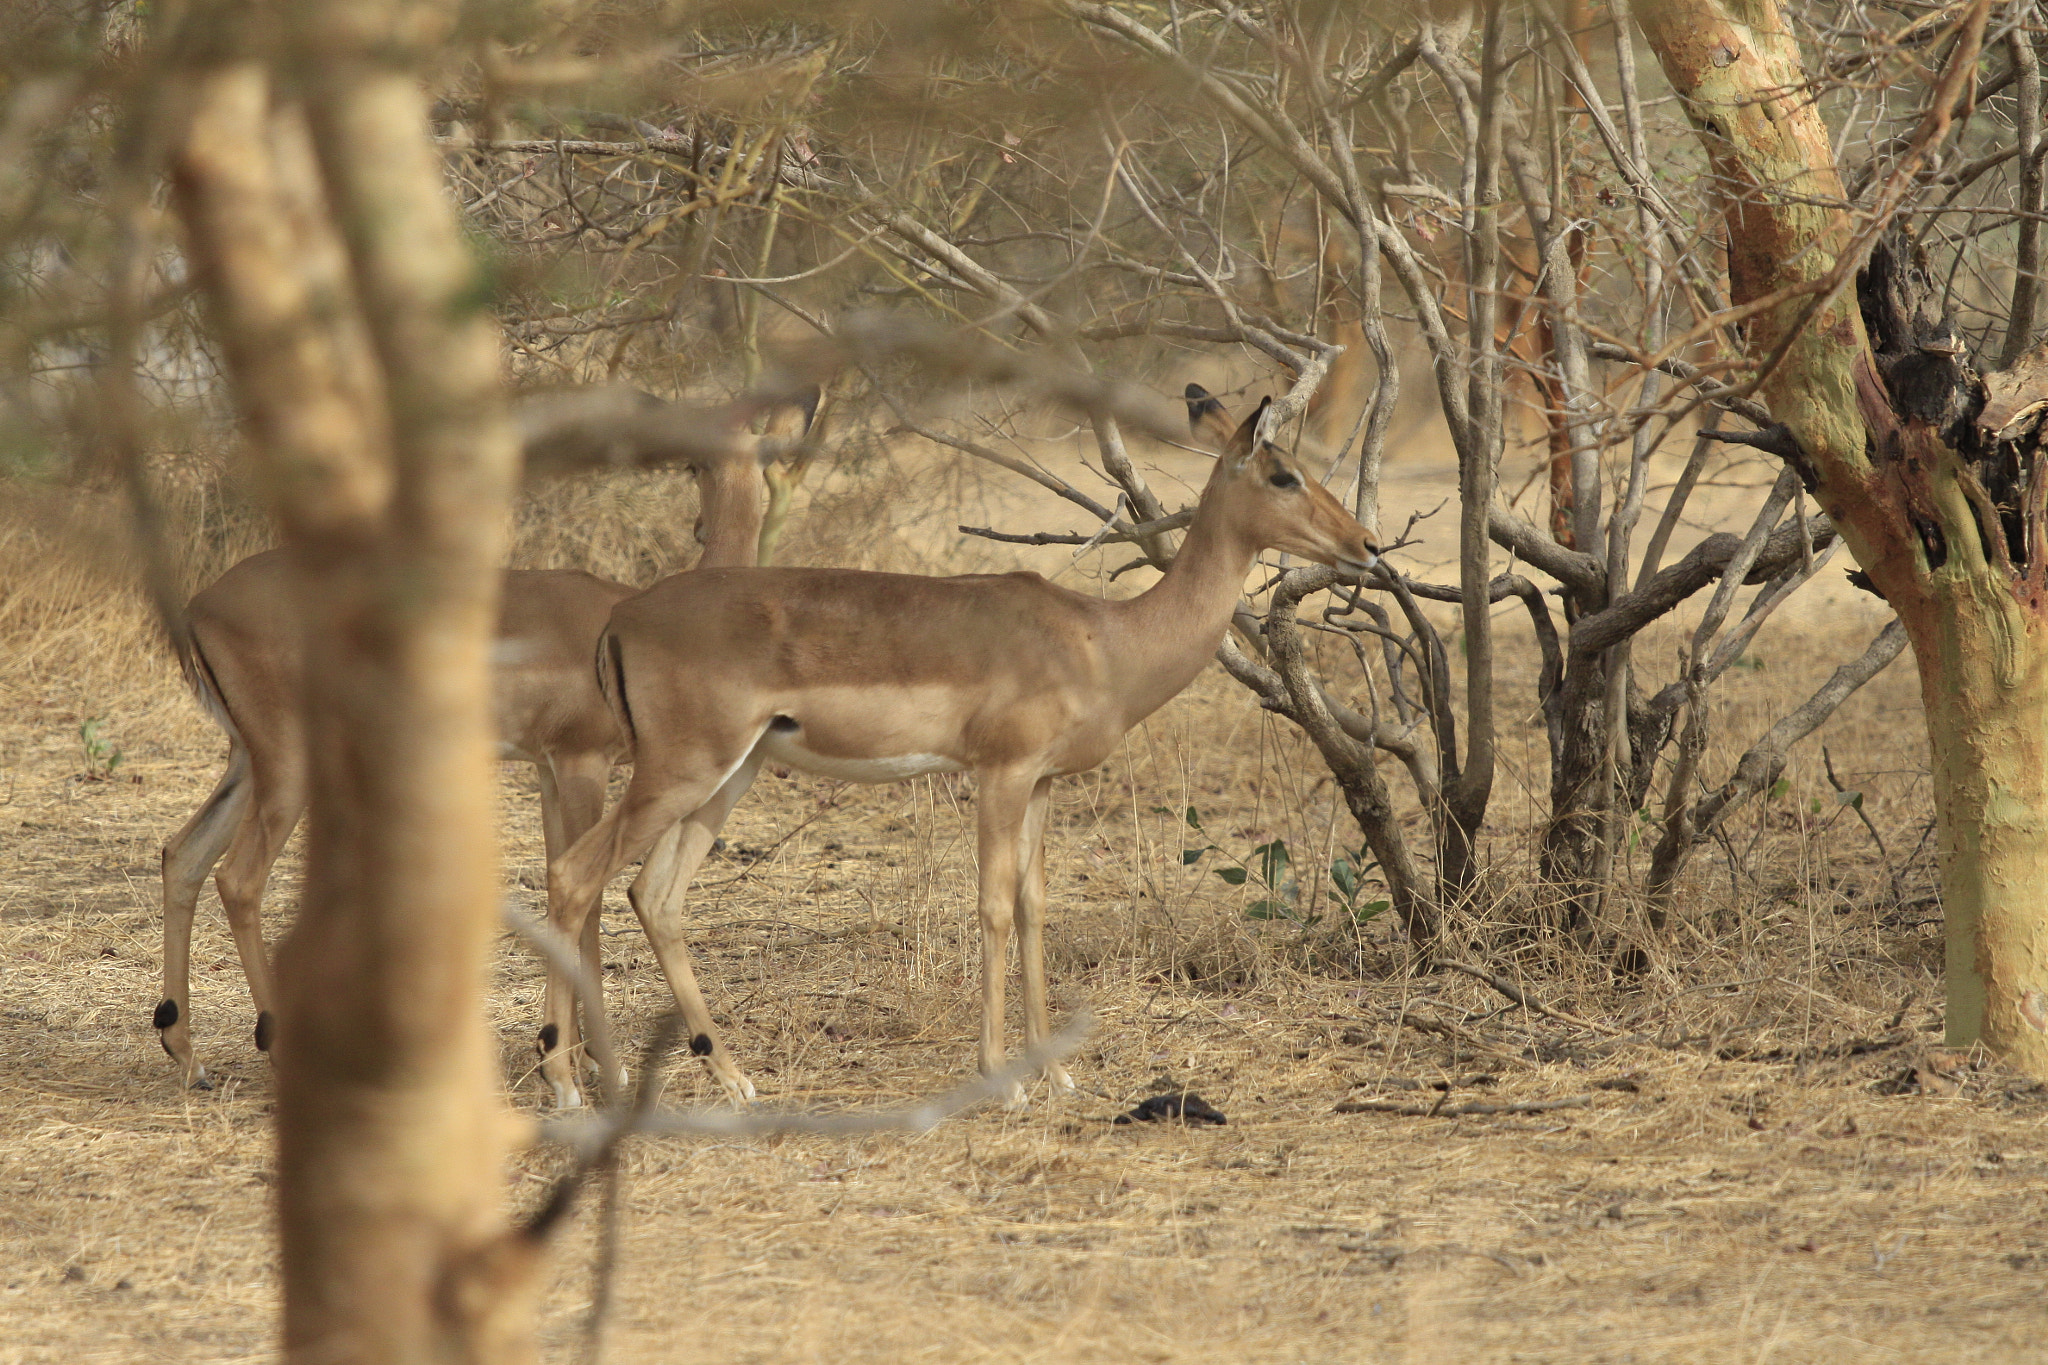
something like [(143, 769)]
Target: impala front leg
[(1005, 801), (1031, 929)]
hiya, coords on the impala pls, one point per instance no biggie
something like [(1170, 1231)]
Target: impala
[(875, 677), (242, 658)]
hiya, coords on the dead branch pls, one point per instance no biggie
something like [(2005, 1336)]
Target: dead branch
[(1440, 1110), (1763, 763), (1854, 800), (589, 1133), (1708, 563), (1522, 997), (1714, 391), (1143, 531)]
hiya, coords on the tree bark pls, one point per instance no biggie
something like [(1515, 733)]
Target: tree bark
[(354, 332), (1881, 404), (1350, 762)]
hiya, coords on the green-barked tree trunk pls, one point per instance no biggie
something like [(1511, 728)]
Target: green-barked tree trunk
[(1933, 474)]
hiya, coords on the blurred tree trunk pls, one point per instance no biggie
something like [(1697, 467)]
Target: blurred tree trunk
[(1884, 409), (351, 317)]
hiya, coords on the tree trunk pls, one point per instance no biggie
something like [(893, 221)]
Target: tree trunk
[(1946, 517), (1581, 786), (353, 330), (1984, 682)]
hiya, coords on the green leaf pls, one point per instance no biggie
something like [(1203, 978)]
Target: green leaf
[(1849, 799), (1778, 789), (1344, 879), (1234, 875), (1191, 855), (1265, 910), (1369, 909), (1815, 808), (1273, 862), (1194, 818)]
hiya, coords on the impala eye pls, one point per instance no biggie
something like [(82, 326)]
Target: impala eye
[(1284, 479)]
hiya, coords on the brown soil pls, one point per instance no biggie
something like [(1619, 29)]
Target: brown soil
[(1774, 1161)]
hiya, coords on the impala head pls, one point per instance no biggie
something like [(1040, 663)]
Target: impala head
[(1277, 502), (735, 489)]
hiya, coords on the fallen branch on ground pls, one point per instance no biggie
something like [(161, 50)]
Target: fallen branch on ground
[(590, 1135), (1523, 998), (1441, 1110)]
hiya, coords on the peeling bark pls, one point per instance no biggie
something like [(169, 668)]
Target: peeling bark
[(1948, 520)]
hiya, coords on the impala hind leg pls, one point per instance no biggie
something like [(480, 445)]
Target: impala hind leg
[(1031, 927), (571, 803), (241, 878), (658, 895), (655, 800), (188, 858), (1005, 801)]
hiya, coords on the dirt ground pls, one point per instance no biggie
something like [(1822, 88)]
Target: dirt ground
[(1766, 1155)]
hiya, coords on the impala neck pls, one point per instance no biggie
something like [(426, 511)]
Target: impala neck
[(1160, 639), (729, 511)]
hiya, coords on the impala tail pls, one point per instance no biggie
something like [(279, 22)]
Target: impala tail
[(611, 681), (199, 677)]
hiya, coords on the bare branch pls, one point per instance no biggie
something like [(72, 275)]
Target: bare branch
[(1522, 997), (1440, 1110), (1709, 561), (585, 1133), (1765, 760)]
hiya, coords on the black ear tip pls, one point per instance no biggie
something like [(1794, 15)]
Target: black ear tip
[(1204, 410)]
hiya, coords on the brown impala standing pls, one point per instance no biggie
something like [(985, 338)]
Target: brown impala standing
[(243, 656), (875, 677)]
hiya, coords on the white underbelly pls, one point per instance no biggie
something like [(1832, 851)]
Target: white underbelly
[(784, 748)]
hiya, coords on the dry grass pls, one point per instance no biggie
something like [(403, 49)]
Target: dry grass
[(1743, 1184)]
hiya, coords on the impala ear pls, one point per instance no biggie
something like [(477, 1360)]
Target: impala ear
[(794, 415), (1245, 439), (789, 425), (1208, 423)]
